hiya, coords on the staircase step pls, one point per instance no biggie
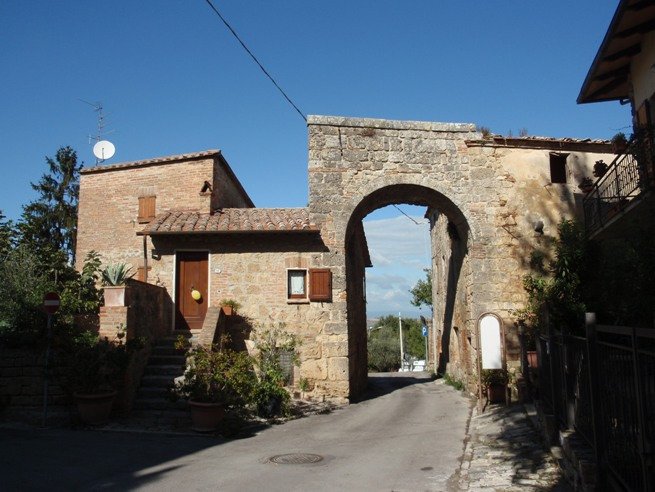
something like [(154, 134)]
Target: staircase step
[(156, 380), (166, 360), (171, 370), (166, 350)]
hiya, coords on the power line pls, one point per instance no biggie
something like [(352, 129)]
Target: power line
[(255, 59), (410, 218)]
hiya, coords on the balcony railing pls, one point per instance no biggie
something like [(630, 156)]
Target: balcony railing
[(627, 177)]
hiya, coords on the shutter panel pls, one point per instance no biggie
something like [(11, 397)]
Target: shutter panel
[(320, 285), (146, 209)]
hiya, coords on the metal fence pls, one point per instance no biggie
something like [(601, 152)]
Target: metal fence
[(603, 386)]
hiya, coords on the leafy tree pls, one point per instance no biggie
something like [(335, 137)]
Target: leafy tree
[(23, 283), (7, 235), (422, 291), (384, 343), (49, 223)]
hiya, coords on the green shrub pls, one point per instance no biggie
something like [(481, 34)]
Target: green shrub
[(214, 376), (455, 383)]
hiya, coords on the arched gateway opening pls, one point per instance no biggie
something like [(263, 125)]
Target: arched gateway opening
[(449, 235)]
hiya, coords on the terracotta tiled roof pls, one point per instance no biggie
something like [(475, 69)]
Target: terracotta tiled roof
[(232, 220), (147, 162)]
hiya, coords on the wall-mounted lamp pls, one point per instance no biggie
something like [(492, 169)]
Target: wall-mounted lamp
[(155, 255)]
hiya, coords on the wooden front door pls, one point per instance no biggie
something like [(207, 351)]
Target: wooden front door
[(191, 273)]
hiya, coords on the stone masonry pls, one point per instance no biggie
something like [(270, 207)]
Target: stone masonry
[(490, 202), (492, 194)]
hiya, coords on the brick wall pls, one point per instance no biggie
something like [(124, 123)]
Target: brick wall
[(109, 201)]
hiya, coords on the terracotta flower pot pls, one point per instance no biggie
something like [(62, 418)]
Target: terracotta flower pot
[(94, 409), (228, 310), (114, 295), (206, 417)]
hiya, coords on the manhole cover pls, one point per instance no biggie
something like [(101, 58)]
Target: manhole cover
[(295, 458)]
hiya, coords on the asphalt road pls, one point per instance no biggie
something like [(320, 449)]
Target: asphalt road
[(408, 435)]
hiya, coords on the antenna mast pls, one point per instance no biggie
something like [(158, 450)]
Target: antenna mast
[(103, 149)]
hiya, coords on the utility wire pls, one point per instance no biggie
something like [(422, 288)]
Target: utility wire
[(410, 218), (255, 59)]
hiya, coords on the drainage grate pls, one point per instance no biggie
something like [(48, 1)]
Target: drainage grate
[(295, 459)]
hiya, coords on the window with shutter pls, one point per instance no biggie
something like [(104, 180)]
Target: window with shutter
[(297, 284), (146, 209), (320, 285)]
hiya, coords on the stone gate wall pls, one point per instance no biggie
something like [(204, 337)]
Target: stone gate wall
[(494, 191)]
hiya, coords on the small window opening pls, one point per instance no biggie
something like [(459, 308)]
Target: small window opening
[(297, 284), (558, 168)]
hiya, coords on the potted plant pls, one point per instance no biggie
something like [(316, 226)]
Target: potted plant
[(619, 143), (214, 381), (494, 382), (114, 277), (600, 168), (96, 368), (230, 306), (275, 355), (586, 185)]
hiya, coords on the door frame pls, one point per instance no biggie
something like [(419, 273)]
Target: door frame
[(209, 279)]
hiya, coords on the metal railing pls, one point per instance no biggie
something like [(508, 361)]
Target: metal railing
[(627, 177), (603, 386)]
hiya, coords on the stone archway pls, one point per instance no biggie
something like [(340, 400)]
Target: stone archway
[(449, 238), (358, 165), (487, 196)]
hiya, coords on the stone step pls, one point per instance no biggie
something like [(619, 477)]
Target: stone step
[(156, 380), (172, 370), (166, 350), (166, 360)]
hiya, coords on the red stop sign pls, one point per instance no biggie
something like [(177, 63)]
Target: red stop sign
[(51, 302)]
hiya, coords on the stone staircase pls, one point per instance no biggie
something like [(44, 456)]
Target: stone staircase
[(153, 408)]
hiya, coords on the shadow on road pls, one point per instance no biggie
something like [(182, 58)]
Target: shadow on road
[(504, 444), (383, 383)]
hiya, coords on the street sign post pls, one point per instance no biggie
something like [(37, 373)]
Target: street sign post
[(51, 303), (424, 332)]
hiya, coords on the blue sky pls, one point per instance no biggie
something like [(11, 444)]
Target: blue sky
[(173, 80)]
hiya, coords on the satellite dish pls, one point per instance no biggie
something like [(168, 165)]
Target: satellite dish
[(104, 149)]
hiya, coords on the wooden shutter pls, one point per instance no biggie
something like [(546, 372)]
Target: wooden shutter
[(320, 285), (146, 209)]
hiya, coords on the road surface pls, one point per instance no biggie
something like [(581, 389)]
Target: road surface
[(408, 435)]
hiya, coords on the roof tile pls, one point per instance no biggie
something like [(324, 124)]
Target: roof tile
[(231, 220)]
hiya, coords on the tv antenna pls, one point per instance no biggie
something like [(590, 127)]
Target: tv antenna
[(102, 149)]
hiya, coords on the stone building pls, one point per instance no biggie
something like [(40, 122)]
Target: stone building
[(187, 224)]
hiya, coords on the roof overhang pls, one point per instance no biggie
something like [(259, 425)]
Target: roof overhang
[(608, 78)]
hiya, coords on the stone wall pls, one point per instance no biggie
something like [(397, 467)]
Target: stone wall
[(494, 192), (252, 269), (494, 199), (21, 380)]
